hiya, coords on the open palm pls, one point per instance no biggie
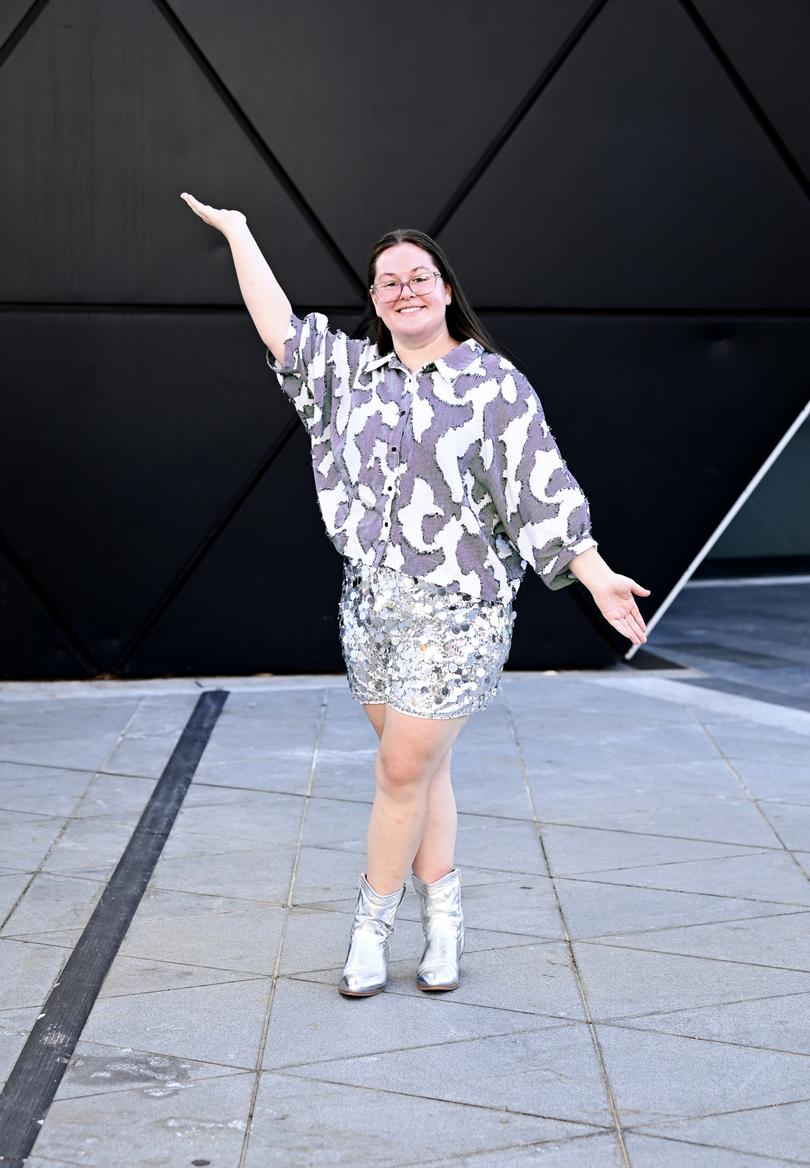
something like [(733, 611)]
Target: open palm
[(223, 219), (614, 599)]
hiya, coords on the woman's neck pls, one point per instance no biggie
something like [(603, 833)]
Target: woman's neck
[(415, 356)]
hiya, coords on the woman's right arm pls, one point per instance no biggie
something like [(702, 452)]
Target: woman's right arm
[(264, 297)]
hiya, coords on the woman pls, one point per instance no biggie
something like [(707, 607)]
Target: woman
[(438, 481)]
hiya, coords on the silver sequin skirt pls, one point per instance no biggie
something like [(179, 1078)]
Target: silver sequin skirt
[(418, 647)]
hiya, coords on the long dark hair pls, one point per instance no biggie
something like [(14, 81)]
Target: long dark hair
[(461, 320)]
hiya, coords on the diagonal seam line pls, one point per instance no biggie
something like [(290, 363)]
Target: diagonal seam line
[(271, 997), (250, 131), (736, 79), (515, 118), (20, 29), (30, 583), (206, 544), (36, 1075)]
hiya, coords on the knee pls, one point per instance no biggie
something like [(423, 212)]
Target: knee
[(399, 773)]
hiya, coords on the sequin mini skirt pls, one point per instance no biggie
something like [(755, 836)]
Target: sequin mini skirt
[(419, 647)]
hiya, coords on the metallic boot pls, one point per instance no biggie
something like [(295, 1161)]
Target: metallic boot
[(366, 965), (443, 926)]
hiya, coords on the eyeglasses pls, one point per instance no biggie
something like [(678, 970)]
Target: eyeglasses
[(389, 290)]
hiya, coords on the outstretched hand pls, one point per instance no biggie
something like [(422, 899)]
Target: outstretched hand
[(614, 599), (218, 217)]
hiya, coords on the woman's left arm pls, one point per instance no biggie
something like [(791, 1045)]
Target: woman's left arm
[(542, 508), (613, 594)]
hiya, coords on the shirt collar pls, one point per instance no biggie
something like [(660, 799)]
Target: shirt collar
[(453, 363)]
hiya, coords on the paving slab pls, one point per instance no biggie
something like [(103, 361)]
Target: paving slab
[(301, 1123), (777, 1022), (658, 1152), (27, 972), (596, 908), (15, 1026), (551, 1072), (776, 1131), (41, 790), (757, 876), (535, 978), (591, 851), (200, 1121), (306, 1027), (779, 940), (226, 1028), (52, 902), (624, 981), (661, 1077)]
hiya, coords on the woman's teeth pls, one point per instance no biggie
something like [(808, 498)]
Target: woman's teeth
[(415, 308)]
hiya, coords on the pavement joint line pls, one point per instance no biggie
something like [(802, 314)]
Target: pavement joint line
[(558, 1020), (50, 766), (35, 1077), (757, 804), (458, 1041), (271, 997), (606, 937), (621, 1019), (579, 979), (708, 1039), (67, 821), (379, 1090), (698, 957), (470, 1157), (749, 852), (689, 892), (768, 1157), (225, 1072), (728, 1111)]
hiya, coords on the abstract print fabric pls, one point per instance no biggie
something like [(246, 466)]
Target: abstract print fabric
[(449, 473)]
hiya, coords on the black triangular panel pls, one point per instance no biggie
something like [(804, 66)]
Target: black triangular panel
[(768, 43), (122, 444), (388, 112), (32, 645), (104, 119), (645, 148), (664, 422), (265, 598)]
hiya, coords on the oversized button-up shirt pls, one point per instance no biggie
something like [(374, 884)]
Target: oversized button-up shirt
[(449, 473)]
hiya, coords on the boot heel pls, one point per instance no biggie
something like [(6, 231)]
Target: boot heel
[(366, 969), (443, 927)]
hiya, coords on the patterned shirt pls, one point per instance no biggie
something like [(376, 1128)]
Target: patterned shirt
[(449, 473)]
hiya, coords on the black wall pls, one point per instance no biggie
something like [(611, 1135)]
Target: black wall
[(622, 186)]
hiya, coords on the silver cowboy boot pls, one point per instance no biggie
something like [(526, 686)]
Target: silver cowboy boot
[(443, 926), (366, 967)]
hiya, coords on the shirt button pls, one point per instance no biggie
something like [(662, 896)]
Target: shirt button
[(393, 447), (385, 523), (389, 488)]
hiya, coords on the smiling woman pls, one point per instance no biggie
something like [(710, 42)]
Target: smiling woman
[(439, 482), (438, 306)]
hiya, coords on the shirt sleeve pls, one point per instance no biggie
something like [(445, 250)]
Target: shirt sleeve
[(314, 356), (541, 506)]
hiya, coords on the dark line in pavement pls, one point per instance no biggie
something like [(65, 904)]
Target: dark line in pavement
[(36, 1075)]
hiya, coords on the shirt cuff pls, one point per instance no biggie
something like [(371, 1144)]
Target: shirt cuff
[(562, 574), (292, 346)]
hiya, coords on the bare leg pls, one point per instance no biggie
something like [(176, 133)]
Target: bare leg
[(414, 810)]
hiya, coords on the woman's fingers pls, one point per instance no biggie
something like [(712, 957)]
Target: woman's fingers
[(202, 209), (633, 627)]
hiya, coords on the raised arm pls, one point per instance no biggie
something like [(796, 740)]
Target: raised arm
[(264, 297)]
